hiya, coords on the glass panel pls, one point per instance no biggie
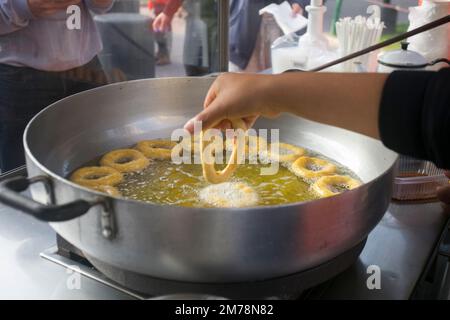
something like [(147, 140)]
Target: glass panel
[(53, 49), (252, 35)]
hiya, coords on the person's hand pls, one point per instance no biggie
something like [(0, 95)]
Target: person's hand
[(235, 95), (443, 194), (45, 8), (162, 23), (296, 9)]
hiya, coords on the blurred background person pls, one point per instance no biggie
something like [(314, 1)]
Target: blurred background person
[(162, 34), (37, 48), (200, 51), (200, 54)]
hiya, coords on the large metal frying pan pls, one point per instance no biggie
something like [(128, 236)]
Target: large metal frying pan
[(188, 244)]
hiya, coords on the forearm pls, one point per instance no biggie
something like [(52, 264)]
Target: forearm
[(14, 15), (349, 101)]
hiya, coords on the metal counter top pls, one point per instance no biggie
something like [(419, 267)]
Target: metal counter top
[(400, 246)]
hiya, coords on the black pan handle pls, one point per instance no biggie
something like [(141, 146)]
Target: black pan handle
[(10, 195)]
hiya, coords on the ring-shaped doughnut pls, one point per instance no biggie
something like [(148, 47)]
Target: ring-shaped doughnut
[(328, 186), (209, 172), (96, 176), (312, 168), (156, 149), (293, 154), (125, 160), (253, 145), (256, 146)]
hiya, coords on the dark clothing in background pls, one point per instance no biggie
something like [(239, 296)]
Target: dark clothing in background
[(245, 23), (414, 116), (25, 91)]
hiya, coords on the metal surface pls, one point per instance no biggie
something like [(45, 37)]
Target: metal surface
[(200, 244), (52, 255), (400, 245), (25, 275), (224, 27), (395, 242)]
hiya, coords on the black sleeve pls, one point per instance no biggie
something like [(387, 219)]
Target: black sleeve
[(414, 117)]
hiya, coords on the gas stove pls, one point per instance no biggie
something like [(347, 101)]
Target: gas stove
[(407, 256), (293, 286)]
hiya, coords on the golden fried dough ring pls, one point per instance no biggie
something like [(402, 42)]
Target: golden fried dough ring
[(294, 154), (303, 167), (324, 186), (156, 149), (125, 160), (110, 190), (209, 172), (253, 145), (229, 195), (92, 177)]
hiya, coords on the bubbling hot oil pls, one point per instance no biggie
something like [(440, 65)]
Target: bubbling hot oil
[(164, 182)]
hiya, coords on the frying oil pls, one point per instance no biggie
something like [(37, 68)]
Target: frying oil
[(164, 182)]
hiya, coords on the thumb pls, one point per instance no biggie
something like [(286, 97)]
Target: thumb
[(209, 117), (212, 115)]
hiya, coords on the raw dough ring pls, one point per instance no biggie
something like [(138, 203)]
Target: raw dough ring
[(93, 177), (156, 149), (300, 168), (322, 185), (134, 160), (296, 152), (209, 172)]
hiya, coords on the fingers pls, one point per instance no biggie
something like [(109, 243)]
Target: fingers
[(155, 24), (212, 115), (250, 121), (224, 125), (158, 23), (211, 95)]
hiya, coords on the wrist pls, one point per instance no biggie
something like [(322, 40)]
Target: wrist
[(275, 93)]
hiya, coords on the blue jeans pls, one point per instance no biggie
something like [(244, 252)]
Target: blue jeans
[(26, 91)]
